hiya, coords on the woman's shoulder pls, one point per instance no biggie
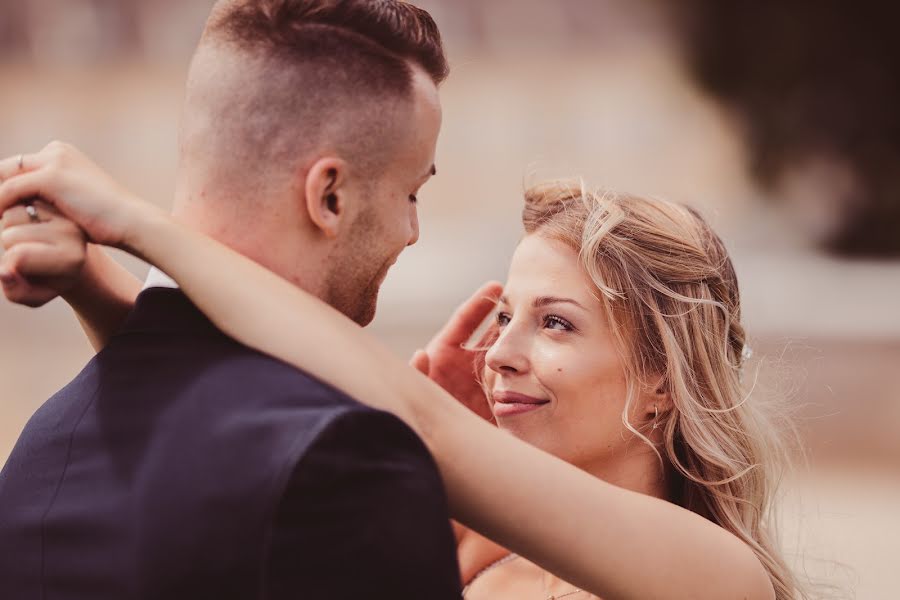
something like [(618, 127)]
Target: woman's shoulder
[(476, 553)]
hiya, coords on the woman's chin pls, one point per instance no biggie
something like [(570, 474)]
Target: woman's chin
[(534, 434)]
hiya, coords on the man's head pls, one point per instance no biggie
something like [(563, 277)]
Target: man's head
[(308, 128)]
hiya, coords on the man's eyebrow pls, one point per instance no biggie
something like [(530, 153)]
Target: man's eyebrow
[(547, 300)]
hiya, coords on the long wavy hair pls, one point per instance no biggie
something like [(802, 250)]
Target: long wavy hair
[(669, 288)]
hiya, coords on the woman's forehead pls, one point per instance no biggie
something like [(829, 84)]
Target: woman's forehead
[(546, 267)]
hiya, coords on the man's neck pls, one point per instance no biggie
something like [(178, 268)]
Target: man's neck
[(285, 255)]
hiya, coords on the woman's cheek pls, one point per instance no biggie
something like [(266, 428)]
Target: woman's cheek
[(554, 365), (487, 377)]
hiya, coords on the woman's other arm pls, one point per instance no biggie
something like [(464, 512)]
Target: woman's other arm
[(50, 259), (103, 297)]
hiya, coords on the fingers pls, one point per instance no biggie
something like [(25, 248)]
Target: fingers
[(26, 163), (20, 234), (63, 177), (10, 167), (20, 188), (15, 216), (18, 215), (49, 232), (41, 260), (27, 293), (21, 177), (490, 336), (466, 319), (420, 361), (33, 296)]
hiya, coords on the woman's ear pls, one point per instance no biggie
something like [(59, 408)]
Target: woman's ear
[(326, 203), (659, 401)]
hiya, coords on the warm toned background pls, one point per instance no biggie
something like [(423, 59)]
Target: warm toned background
[(599, 89)]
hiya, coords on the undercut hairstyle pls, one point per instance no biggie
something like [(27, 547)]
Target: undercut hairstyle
[(290, 77), (380, 34)]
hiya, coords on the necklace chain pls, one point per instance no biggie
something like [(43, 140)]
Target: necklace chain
[(573, 592), (493, 565)]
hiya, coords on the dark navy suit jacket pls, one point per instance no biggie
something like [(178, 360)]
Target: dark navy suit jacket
[(180, 464)]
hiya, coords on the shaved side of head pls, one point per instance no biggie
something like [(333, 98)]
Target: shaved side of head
[(275, 82)]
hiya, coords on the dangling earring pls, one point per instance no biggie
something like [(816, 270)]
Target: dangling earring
[(655, 416)]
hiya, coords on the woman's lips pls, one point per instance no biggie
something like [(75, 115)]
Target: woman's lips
[(507, 404)]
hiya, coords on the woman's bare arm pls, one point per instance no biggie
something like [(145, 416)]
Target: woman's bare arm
[(612, 542), (51, 259), (103, 296)]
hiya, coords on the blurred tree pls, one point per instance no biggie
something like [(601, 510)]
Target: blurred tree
[(119, 24), (812, 80), (14, 32)]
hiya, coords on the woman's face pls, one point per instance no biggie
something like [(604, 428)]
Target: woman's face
[(555, 377)]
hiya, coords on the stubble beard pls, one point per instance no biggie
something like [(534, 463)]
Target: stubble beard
[(360, 269), (353, 286), (356, 299)]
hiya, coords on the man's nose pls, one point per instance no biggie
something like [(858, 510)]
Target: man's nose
[(413, 225)]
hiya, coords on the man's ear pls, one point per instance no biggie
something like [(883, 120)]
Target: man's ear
[(326, 202)]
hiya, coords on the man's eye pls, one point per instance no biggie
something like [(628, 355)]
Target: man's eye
[(413, 198), (502, 319)]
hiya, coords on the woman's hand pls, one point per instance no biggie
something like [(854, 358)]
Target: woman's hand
[(41, 260), (449, 363), (50, 202), (63, 177)]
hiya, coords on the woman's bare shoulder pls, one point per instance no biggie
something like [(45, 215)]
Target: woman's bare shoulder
[(475, 552)]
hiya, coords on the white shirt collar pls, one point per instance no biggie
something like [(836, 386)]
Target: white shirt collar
[(158, 279)]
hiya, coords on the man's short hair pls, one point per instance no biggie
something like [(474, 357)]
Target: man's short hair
[(311, 73), (383, 33)]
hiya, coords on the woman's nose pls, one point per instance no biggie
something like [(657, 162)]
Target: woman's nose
[(507, 355)]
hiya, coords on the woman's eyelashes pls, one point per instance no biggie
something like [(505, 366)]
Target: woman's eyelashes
[(558, 323), (552, 322)]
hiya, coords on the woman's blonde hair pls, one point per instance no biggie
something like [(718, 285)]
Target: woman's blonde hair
[(671, 294)]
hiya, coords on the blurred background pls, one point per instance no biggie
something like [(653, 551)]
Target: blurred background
[(778, 120)]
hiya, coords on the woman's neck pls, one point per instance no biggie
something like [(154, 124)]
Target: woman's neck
[(638, 469)]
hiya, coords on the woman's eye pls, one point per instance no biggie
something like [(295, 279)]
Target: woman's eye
[(557, 323), (502, 319)]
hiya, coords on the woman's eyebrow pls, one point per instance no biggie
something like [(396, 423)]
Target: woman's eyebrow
[(547, 300), (543, 301)]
